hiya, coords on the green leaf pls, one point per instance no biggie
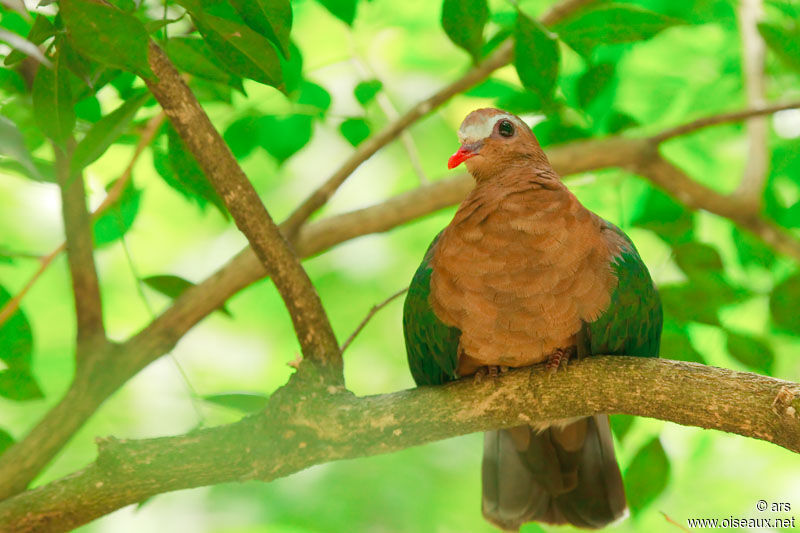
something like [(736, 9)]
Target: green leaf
[(783, 304), (344, 10), (697, 258), (621, 425), (41, 30), (492, 88), (89, 110), (243, 51), (123, 83), (242, 136), (751, 352), (292, 70), (16, 337), (752, 251), (173, 286), (119, 218), (594, 81), (647, 475), (664, 216), (6, 440), (675, 344), (463, 22), (103, 133), (314, 95), (282, 137), (354, 130), (107, 35), (270, 18), (19, 385), (784, 44), (366, 91), (617, 122), (536, 57), (700, 300), (185, 175), (52, 101), (242, 401), (194, 56), (612, 24), (189, 174), (12, 145)]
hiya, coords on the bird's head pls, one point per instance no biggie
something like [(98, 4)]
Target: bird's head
[(493, 141)]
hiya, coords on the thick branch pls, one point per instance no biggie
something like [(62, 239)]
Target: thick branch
[(314, 331), (80, 256), (500, 58), (302, 432)]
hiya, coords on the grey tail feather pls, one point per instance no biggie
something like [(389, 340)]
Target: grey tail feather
[(561, 475)]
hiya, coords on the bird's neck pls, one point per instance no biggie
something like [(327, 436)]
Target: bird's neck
[(516, 177)]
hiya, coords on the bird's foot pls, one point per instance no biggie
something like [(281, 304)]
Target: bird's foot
[(491, 371), (557, 359)]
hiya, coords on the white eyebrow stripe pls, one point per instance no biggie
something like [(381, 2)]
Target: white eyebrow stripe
[(476, 131)]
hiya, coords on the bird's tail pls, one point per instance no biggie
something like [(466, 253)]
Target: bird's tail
[(563, 474)]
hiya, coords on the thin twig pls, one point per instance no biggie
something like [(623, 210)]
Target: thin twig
[(391, 113), (370, 314), (753, 51), (13, 304), (113, 195), (714, 120), (673, 522), (501, 57)]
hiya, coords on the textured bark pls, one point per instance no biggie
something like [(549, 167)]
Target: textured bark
[(80, 256), (298, 430), (311, 324)]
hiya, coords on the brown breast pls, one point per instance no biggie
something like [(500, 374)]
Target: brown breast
[(518, 269)]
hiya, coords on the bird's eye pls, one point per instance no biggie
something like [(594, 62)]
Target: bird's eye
[(505, 128)]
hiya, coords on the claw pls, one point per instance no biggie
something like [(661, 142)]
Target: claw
[(491, 371), (557, 359)]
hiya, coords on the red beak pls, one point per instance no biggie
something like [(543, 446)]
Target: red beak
[(459, 157)]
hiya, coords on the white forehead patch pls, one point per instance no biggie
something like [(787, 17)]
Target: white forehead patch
[(477, 130)]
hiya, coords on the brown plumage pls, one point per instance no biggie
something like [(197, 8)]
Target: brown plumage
[(523, 264), (520, 271)]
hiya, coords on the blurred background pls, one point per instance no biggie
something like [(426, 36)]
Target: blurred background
[(736, 311)]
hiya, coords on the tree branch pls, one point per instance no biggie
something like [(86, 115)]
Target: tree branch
[(500, 58), (311, 324), (80, 255), (319, 428), (753, 51), (715, 120), (375, 308)]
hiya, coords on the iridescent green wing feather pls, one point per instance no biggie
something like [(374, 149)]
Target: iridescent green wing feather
[(431, 345), (632, 323)]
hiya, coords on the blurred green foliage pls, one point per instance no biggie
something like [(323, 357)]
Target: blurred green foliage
[(293, 88)]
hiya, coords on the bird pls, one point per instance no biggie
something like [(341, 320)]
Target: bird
[(524, 274)]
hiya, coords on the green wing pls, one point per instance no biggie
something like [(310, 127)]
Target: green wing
[(431, 345), (632, 323)]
